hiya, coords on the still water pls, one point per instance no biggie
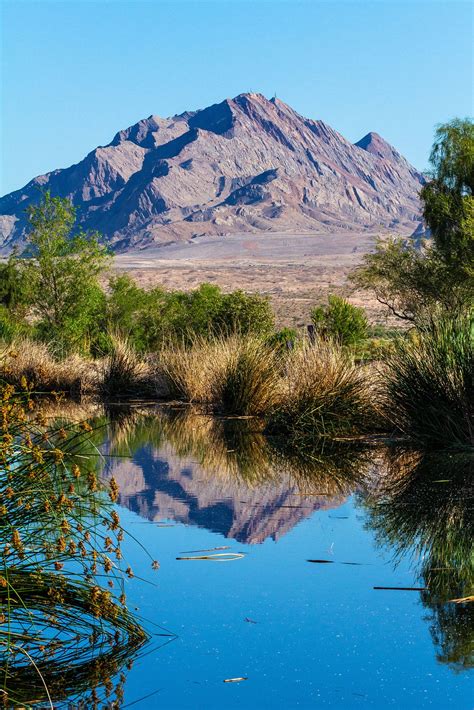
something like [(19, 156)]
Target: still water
[(303, 634)]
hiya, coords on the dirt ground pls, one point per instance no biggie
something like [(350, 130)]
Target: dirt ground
[(296, 271)]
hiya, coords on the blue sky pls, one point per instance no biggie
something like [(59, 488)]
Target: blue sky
[(74, 73)]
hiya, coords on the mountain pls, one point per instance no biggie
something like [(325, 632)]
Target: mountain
[(244, 165)]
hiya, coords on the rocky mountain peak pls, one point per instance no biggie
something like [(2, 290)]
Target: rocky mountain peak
[(245, 164), (375, 144)]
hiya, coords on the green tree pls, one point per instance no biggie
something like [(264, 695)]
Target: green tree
[(341, 321), (63, 272), (417, 282)]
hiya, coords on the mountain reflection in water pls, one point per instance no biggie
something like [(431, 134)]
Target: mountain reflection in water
[(224, 475), (323, 635)]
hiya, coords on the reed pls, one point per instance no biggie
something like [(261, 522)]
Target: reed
[(59, 534)]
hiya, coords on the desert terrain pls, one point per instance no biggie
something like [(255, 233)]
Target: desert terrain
[(296, 271)]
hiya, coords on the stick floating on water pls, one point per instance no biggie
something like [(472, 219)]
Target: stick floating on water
[(404, 589), (219, 557)]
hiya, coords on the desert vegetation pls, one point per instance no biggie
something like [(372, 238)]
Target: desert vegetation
[(66, 328)]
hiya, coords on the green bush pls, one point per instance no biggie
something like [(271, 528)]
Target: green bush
[(155, 317), (340, 321), (283, 340)]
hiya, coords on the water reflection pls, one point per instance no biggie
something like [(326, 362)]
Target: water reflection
[(224, 474), (65, 633), (423, 508)]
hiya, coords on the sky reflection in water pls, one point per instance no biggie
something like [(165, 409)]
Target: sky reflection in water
[(323, 636)]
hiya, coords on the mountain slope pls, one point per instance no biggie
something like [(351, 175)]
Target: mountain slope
[(246, 164)]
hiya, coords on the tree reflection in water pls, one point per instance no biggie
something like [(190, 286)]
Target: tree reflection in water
[(423, 508)]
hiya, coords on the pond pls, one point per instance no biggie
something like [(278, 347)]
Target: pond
[(313, 579), (302, 633)]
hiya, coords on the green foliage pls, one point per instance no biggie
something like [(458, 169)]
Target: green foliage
[(429, 385), (154, 317), (415, 283), (448, 197), (283, 339), (62, 274), (340, 321), (245, 313)]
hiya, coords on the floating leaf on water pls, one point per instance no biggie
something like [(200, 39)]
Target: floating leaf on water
[(329, 562), (234, 680), (322, 562), (339, 517), (210, 549)]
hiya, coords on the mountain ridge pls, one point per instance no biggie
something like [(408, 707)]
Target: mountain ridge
[(246, 164)]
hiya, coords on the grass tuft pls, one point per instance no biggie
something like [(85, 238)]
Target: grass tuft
[(33, 362), (124, 373), (429, 385), (325, 396)]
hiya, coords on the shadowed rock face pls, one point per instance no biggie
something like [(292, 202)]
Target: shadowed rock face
[(246, 164), (158, 484)]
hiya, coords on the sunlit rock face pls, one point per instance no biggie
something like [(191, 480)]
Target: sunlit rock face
[(247, 164)]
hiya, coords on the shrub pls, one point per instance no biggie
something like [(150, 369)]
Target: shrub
[(430, 385), (326, 396), (155, 317), (245, 313), (340, 321), (283, 340)]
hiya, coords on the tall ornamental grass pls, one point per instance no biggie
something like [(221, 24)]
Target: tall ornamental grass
[(429, 385), (325, 396), (235, 375)]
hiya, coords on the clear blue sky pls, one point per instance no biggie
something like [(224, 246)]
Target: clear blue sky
[(74, 73)]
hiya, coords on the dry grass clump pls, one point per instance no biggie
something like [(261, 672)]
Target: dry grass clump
[(236, 375), (325, 396), (249, 381), (32, 363), (123, 373), (189, 373)]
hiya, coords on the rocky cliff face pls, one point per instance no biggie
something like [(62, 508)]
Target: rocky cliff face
[(246, 164)]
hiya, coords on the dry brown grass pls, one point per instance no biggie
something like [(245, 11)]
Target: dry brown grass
[(324, 395), (25, 361), (236, 375), (190, 373)]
